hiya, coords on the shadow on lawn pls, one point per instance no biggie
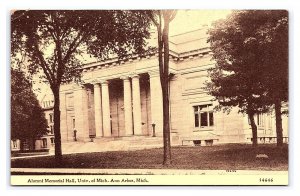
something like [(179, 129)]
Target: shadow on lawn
[(220, 157)]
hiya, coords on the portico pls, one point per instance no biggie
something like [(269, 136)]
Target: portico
[(118, 107)]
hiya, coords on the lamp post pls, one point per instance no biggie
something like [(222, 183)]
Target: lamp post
[(153, 127)]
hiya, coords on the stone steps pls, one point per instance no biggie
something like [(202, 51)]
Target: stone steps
[(112, 144)]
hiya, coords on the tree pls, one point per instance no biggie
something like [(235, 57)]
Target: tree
[(162, 20), (251, 68), (28, 120), (272, 37), (53, 42)]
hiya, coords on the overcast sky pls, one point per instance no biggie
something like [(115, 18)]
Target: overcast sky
[(187, 20)]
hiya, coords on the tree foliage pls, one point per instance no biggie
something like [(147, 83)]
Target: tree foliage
[(55, 41), (28, 120), (250, 49)]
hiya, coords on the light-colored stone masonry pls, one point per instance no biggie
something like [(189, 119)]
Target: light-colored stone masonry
[(123, 98)]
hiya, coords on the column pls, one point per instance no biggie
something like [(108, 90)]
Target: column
[(127, 106), (156, 102), (136, 101), (81, 114), (106, 109), (98, 110)]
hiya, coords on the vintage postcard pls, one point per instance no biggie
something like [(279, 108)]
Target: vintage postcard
[(149, 97)]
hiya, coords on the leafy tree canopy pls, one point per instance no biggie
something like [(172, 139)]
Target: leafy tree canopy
[(27, 117), (55, 40), (250, 49)]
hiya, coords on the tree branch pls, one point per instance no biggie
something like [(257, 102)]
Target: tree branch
[(47, 71), (160, 45), (153, 19)]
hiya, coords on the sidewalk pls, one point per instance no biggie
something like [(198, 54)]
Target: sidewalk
[(66, 171)]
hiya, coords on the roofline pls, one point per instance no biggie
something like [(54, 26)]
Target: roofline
[(116, 60), (188, 32)]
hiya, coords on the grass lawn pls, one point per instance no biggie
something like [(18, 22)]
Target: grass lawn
[(230, 156)]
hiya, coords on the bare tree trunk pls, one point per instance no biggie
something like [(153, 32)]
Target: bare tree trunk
[(166, 123), (254, 129), (278, 123), (165, 93), (163, 60), (57, 135)]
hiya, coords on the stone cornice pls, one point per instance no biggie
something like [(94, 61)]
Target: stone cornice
[(196, 69), (174, 56), (125, 78)]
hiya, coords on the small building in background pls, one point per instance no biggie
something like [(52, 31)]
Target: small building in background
[(47, 103), (45, 142)]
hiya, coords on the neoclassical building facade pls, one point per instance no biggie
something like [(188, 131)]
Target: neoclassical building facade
[(119, 99)]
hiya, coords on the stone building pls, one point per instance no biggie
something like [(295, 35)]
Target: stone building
[(123, 99), (46, 141), (47, 103)]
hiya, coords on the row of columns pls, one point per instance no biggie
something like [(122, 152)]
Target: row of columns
[(132, 107), (102, 115)]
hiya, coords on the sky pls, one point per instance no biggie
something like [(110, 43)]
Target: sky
[(187, 20)]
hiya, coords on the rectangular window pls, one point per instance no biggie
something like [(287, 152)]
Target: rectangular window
[(203, 116), (52, 140), (211, 118), (260, 120), (51, 129), (51, 118), (44, 144), (204, 120), (15, 145), (196, 120)]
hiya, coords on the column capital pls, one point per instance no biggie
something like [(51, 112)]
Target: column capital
[(80, 85), (126, 78), (96, 85), (95, 82), (83, 84), (154, 73), (134, 75), (103, 82)]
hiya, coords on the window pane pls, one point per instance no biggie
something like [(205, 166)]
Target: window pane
[(211, 119), (196, 120), (44, 143), (204, 119), (51, 118)]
